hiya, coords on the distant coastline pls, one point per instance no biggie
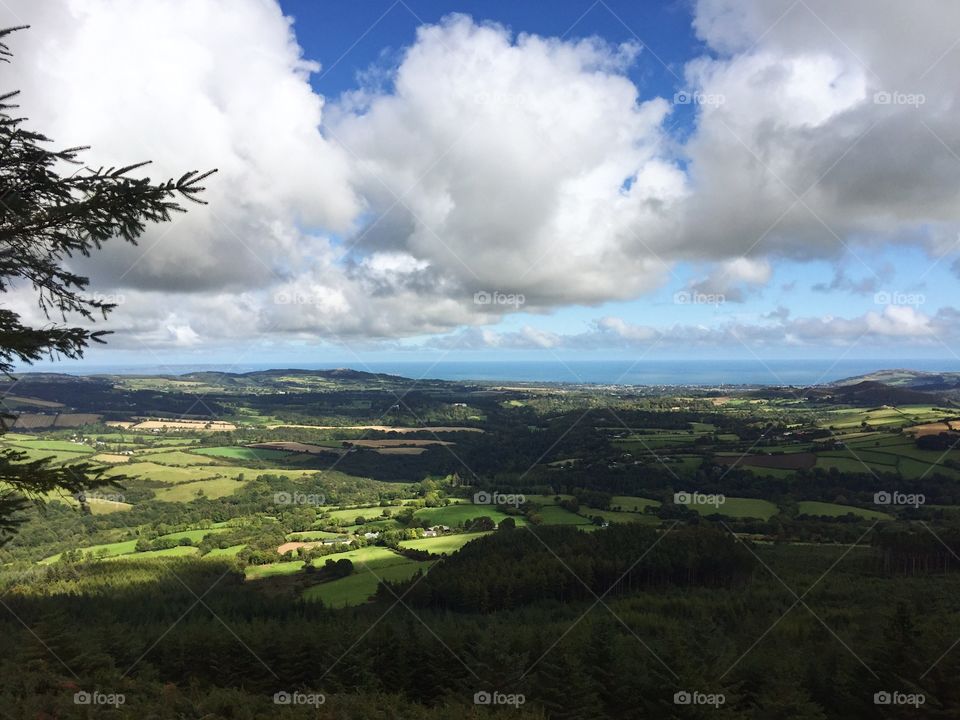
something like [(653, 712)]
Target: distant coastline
[(597, 372)]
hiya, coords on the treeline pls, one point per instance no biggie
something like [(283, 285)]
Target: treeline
[(142, 633), (918, 550), (510, 569)]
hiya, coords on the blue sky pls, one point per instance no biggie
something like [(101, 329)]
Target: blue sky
[(658, 179)]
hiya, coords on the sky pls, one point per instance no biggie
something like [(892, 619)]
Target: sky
[(427, 180)]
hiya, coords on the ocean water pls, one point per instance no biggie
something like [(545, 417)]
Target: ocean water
[(614, 372)]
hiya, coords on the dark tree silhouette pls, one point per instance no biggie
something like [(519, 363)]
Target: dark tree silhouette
[(47, 217)]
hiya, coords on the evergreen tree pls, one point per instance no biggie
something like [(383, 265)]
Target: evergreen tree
[(47, 217)]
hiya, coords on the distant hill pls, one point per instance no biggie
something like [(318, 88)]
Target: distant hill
[(884, 387), (930, 382), (342, 374), (872, 393)]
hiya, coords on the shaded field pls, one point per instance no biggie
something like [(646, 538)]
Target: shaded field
[(810, 507), (789, 461), (740, 508), (630, 503)]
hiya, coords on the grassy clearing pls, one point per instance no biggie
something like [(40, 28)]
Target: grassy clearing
[(163, 473), (175, 458), (106, 550), (740, 508), (630, 503), (258, 572), (185, 492), (225, 552), (310, 535), (612, 516), (809, 507), (55, 445), (454, 515), (445, 544), (243, 453), (194, 535), (556, 515), (179, 551), (546, 499), (359, 587)]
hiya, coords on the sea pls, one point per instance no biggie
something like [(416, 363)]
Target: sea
[(706, 372)]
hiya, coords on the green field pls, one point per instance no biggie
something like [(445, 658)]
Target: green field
[(809, 507), (185, 492), (243, 453), (613, 516), (177, 458), (225, 552), (54, 445), (454, 515), (371, 565), (258, 572), (194, 535), (630, 503), (443, 544), (179, 551), (107, 550), (163, 473), (740, 508), (556, 515), (308, 535)]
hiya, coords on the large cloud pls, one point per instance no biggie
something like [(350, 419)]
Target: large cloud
[(189, 84), (526, 165), (838, 122), (492, 162)]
